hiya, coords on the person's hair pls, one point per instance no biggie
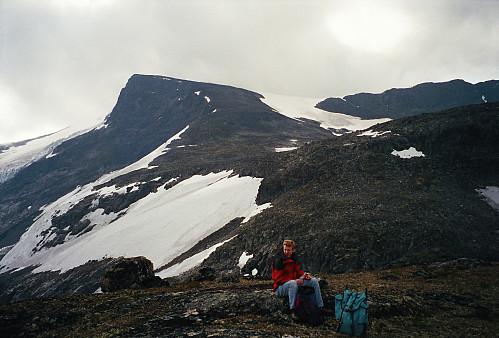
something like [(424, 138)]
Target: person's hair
[(289, 242)]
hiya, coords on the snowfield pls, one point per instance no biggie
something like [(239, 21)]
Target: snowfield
[(301, 107), (160, 226), (15, 158)]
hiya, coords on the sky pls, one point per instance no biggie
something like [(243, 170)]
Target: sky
[(64, 62)]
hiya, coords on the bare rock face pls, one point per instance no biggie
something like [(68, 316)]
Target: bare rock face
[(133, 272)]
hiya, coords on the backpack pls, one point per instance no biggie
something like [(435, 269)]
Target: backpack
[(351, 309), (306, 307)]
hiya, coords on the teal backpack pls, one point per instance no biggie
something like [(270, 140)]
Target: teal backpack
[(351, 309)]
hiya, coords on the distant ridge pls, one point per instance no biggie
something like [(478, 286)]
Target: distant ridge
[(423, 98)]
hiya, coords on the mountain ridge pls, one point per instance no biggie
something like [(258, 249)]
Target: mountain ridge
[(423, 98)]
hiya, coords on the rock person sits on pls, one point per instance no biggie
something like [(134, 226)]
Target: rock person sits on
[(288, 276)]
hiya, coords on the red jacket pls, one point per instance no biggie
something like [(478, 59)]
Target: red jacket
[(285, 269)]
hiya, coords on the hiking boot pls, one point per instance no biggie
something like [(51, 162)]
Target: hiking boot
[(294, 315)]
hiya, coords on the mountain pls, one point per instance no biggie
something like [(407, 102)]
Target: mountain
[(149, 111), (184, 173), (423, 98)]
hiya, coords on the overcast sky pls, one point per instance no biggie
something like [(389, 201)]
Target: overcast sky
[(64, 62)]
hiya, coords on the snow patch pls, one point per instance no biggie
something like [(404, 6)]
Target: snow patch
[(5, 249), (102, 125), (244, 259), (374, 133), (254, 272), (408, 153), (108, 191), (299, 107), (190, 262), (283, 149), (206, 97), (491, 194), (144, 162), (98, 217)]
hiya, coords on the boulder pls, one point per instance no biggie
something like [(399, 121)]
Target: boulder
[(135, 272)]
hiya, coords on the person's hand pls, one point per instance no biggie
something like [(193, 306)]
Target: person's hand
[(307, 276), (299, 282)]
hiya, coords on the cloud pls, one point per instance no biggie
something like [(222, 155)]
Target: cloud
[(64, 62)]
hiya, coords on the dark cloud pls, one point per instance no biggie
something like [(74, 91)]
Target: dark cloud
[(63, 62)]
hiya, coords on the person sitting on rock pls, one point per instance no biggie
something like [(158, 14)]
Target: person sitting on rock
[(288, 276)]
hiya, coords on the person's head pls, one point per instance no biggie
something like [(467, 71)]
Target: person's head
[(288, 246)]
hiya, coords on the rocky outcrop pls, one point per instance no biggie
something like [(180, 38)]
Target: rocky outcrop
[(135, 272)]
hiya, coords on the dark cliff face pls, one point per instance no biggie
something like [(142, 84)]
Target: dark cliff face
[(350, 204), (423, 98)]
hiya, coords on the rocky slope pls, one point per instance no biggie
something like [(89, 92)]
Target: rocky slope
[(350, 203)]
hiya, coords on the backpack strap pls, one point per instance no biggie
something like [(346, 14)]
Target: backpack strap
[(352, 326), (343, 310)]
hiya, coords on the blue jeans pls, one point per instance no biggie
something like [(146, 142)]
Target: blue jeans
[(290, 289)]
